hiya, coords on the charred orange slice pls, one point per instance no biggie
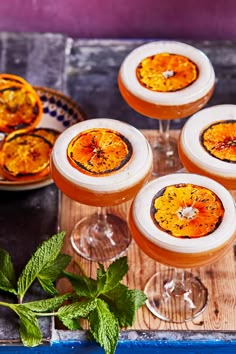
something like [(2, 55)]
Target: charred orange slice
[(166, 72), (219, 140), (25, 156), (99, 151), (187, 210), (47, 133), (11, 79), (20, 105)]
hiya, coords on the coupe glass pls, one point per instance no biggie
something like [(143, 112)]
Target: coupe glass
[(183, 221), (101, 162), (166, 80), (207, 144)]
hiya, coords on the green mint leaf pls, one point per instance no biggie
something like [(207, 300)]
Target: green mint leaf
[(77, 309), (30, 333), (124, 303), (47, 304), (42, 258), (70, 314), (55, 269), (50, 273), (114, 274), (71, 323), (107, 280), (104, 327), (47, 286), (7, 273), (82, 285)]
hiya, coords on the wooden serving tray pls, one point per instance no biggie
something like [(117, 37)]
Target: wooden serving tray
[(219, 277)]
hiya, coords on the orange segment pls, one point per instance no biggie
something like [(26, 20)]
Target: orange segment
[(99, 151), (187, 210), (219, 140), (166, 72), (24, 156)]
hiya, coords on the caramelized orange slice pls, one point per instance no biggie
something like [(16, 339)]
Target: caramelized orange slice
[(25, 156), (20, 105), (219, 140), (11, 79), (99, 151), (47, 133), (166, 72), (187, 210)]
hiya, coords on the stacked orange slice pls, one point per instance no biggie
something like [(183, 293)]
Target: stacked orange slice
[(20, 105), (25, 149)]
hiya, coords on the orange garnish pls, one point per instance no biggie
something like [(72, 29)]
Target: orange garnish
[(11, 79), (99, 152), (20, 105), (47, 133), (187, 210), (219, 140), (166, 72), (25, 156)]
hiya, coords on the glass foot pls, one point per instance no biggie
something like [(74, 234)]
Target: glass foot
[(99, 239), (165, 157), (172, 303)]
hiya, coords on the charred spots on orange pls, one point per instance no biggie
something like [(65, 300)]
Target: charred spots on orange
[(99, 151), (166, 72), (219, 140), (186, 210)]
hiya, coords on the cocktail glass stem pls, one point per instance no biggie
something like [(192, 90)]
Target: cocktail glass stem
[(165, 151), (175, 295), (102, 228), (101, 236)]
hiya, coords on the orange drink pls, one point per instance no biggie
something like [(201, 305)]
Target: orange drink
[(207, 144), (105, 187), (182, 220), (101, 162), (166, 80)]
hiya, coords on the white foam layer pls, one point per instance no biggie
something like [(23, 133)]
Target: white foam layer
[(193, 92), (132, 173), (191, 144), (144, 222)]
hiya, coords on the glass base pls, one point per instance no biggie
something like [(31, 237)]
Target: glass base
[(100, 240), (165, 156), (173, 304)]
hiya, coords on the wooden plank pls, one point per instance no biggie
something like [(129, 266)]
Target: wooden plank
[(219, 277)]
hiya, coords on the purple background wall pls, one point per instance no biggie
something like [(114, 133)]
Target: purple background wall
[(194, 19)]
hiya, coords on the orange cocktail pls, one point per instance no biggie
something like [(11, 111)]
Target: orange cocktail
[(166, 80), (207, 144), (101, 162), (182, 220)]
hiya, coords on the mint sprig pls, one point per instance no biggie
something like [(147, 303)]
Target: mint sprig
[(105, 302)]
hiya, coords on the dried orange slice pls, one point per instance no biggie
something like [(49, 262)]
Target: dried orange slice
[(47, 133), (187, 210), (11, 79), (20, 105), (99, 151), (219, 140), (166, 72), (25, 156)]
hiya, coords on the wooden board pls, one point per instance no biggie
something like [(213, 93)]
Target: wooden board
[(219, 277)]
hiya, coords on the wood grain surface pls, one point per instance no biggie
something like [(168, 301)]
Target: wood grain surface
[(219, 278)]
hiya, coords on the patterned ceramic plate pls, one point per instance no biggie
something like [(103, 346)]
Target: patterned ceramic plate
[(59, 112)]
